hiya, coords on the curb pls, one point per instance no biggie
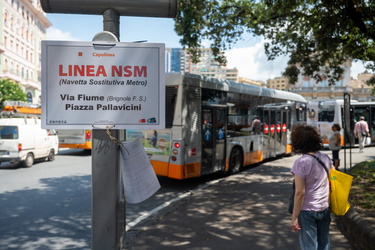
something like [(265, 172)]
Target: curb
[(361, 231)]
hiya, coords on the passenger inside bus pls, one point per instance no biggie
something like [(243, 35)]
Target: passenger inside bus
[(256, 125)]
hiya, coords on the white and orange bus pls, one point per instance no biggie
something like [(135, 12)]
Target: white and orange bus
[(75, 138), (323, 114), (209, 126)]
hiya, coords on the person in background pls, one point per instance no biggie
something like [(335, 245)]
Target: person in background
[(361, 132), (311, 214), (256, 126), (334, 144)]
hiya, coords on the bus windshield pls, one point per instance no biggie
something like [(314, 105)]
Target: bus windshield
[(327, 114)]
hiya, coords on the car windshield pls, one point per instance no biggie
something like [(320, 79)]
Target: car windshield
[(8, 132)]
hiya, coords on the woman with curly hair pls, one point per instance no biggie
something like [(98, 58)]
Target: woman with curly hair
[(311, 215)]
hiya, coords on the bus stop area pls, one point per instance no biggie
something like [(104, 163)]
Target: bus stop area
[(247, 210)]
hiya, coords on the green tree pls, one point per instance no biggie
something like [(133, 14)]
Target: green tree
[(318, 36), (10, 91)]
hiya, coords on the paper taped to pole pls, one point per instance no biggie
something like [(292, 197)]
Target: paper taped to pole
[(138, 176)]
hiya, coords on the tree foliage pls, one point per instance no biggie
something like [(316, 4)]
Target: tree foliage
[(318, 36), (10, 91)]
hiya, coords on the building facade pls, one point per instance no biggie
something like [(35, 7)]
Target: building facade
[(321, 90), (279, 83), (252, 82), (361, 91), (22, 29), (180, 61), (173, 59)]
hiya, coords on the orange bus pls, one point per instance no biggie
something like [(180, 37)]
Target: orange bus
[(75, 138), (209, 126)]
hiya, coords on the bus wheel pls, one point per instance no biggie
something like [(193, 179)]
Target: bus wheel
[(29, 161), (51, 155), (235, 161)]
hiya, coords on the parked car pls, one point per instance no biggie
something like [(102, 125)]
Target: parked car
[(22, 140)]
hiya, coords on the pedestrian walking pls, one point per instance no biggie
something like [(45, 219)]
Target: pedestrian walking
[(334, 144), (311, 215), (361, 131)]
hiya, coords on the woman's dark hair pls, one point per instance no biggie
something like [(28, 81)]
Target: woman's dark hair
[(305, 139), (337, 126)]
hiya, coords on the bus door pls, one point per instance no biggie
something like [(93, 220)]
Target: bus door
[(284, 130), (213, 138), (357, 112), (278, 143), (266, 133), (273, 134)]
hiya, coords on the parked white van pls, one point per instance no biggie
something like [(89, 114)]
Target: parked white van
[(22, 140)]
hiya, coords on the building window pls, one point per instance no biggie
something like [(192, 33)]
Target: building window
[(11, 23), (29, 97), (5, 18), (5, 65)]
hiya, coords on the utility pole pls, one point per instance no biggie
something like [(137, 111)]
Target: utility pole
[(348, 137), (108, 202)]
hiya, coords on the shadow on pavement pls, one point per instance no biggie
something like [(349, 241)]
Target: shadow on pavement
[(66, 226), (243, 211)]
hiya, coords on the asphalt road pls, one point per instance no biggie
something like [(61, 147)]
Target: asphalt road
[(48, 206)]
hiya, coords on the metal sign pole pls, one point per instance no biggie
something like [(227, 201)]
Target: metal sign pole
[(108, 202), (111, 22), (346, 126), (346, 137), (108, 208)]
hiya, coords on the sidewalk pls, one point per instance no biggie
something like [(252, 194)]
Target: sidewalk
[(243, 211)]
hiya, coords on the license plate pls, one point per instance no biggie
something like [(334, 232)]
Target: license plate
[(4, 152)]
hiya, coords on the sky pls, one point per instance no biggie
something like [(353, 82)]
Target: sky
[(247, 55)]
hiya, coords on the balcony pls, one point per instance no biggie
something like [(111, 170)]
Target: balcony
[(324, 93)]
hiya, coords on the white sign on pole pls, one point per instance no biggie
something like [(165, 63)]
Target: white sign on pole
[(87, 84)]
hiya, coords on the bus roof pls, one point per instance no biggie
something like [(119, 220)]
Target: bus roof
[(230, 86), (332, 101), (363, 103)]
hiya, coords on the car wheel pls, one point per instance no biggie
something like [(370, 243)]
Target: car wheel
[(51, 155), (29, 161), (235, 161)]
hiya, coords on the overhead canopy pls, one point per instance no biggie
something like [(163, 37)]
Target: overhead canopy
[(145, 8)]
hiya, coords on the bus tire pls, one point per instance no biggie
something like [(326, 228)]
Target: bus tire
[(29, 161), (235, 161)]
